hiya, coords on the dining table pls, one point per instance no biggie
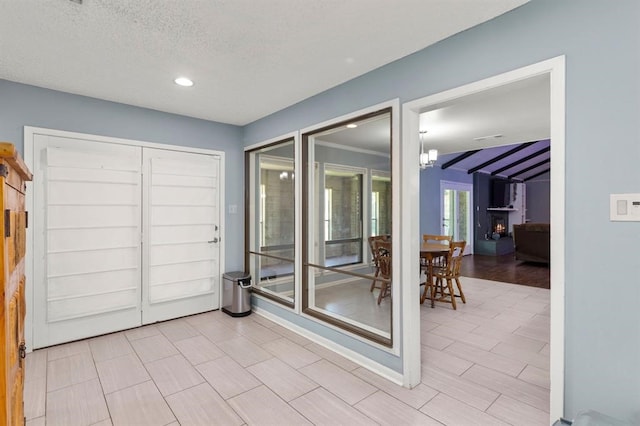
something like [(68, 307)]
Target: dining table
[(428, 253)]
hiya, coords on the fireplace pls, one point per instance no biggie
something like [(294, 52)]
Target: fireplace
[(499, 223)]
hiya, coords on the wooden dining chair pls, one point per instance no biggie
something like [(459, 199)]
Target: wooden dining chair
[(372, 241), (437, 262), (383, 254), (437, 239), (449, 273), (442, 239)]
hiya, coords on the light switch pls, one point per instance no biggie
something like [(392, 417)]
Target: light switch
[(625, 207), (622, 207)]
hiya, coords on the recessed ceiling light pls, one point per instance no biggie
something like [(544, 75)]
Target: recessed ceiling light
[(183, 81), (352, 126), (482, 138)]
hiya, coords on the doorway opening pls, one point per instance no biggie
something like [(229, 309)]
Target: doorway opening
[(553, 69)]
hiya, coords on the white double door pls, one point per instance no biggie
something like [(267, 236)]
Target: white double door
[(124, 236)]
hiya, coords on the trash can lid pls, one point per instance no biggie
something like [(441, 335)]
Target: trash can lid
[(236, 275)]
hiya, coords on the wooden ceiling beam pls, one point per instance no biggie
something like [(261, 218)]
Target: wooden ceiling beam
[(529, 168), (520, 161), (459, 158), (500, 157)]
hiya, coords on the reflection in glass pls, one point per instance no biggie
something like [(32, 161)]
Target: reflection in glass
[(380, 203), (346, 200), (271, 220), (343, 216)]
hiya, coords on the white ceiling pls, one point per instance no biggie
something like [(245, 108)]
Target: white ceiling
[(248, 58), (519, 111)]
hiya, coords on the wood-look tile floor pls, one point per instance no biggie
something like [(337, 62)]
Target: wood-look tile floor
[(486, 363)]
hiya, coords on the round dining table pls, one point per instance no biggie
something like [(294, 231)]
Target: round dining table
[(429, 252)]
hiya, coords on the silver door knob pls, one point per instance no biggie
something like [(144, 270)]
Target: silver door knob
[(215, 240)]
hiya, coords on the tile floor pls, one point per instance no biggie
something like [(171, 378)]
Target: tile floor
[(486, 363)]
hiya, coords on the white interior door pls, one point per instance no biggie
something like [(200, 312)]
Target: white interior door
[(457, 212), (123, 234), (181, 234), (87, 258)]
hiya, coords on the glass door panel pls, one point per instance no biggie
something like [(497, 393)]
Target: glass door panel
[(271, 220)]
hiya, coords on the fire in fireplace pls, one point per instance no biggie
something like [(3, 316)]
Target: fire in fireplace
[(499, 222)]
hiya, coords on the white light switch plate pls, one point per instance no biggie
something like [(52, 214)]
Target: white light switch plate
[(625, 207)]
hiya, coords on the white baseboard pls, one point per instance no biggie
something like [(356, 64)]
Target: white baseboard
[(359, 359)]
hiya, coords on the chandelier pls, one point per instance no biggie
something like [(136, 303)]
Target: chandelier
[(427, 159)]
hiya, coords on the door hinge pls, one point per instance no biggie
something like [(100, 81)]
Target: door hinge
[(22, 351)]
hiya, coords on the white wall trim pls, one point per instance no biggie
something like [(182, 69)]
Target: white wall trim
[(411, 312), (30, 131), (396, 171), (359, 359)]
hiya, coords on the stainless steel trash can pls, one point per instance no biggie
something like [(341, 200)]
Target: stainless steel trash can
[(236, 293)]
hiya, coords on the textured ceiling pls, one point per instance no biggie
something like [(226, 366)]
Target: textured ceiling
[(248, 58)]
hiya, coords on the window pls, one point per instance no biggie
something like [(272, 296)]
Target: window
[(343, 215), (263, 213), (375, 212), (328, 202), (380, 202), (270, 220), (346, 197)]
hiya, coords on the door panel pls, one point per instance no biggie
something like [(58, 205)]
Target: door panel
[(92, 272), (87, 267), (181, 243), (457, 208)]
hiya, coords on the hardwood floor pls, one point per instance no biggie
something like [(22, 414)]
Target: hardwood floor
[(506, 269)]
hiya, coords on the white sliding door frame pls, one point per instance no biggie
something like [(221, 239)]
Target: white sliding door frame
[(29, 153)]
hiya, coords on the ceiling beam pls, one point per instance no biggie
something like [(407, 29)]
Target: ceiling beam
[(500, 157), (520, 161), (459, 158), (537, 174), (529, 168)]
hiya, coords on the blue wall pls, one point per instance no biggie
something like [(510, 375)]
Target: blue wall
[(430, 196), (601, 41), (23, 105), (538, 199)]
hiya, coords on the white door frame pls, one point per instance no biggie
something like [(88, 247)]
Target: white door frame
[(29, 159), (555, 67), (459, 186)]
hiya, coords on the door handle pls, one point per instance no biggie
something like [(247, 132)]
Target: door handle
[(215, 240)]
